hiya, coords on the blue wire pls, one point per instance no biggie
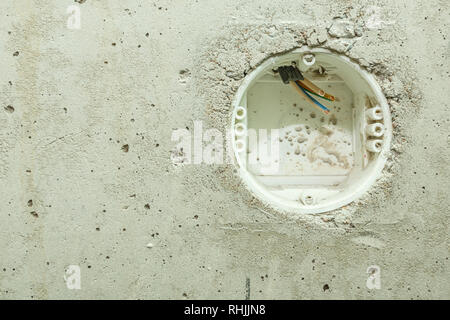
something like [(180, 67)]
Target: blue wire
[(321, 106)]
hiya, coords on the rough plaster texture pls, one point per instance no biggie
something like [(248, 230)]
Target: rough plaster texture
[(86, 176)]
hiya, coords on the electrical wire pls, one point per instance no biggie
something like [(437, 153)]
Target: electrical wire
[(321, 106), (312, 92), (313, 101), (312, 88)]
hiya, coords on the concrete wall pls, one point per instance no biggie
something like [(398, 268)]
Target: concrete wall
[(86, 177)]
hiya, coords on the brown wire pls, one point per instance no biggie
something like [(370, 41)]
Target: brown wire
[(308, 85), (306, 97)]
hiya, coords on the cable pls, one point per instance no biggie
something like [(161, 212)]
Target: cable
[(312, 92), (321, 106), (302, 93), (312, 88), (313, 101)]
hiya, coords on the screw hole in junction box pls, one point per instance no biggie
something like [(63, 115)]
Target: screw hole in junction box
[(310, 162)]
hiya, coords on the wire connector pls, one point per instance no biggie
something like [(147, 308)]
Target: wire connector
[(289, 73)]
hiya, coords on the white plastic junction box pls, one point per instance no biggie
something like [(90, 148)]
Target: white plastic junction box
[(296, 158)]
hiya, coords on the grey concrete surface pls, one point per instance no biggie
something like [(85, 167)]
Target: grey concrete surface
[(71, 193)]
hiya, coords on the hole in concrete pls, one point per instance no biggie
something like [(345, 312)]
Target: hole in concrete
[(297, 158)]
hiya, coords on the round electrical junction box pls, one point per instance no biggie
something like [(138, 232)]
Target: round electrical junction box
[(296, 158)]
